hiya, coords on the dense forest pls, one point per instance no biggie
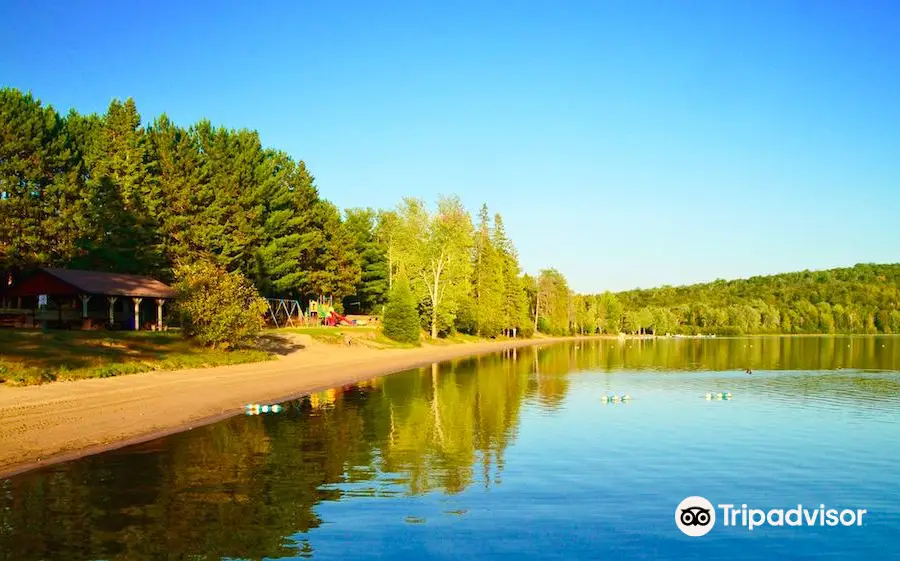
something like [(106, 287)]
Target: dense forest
[(860, 299), (106, 192)]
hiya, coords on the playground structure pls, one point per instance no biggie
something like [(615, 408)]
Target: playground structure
[(322, 310), (284, 312)]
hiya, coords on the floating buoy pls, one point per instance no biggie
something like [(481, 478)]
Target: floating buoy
[(625, 397), (727, 395), (604, 398), (708, 396), (256, 408)]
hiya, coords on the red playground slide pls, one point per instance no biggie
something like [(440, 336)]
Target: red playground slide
[(338, 318)]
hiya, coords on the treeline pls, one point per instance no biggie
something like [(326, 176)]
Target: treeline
[(463, 276), (860, 299), (104, 192)]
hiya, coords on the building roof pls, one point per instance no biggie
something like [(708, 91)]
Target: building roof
[(112, 284)]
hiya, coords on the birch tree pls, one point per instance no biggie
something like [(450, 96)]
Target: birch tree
[(438, 259)]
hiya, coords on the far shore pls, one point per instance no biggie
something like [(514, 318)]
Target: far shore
[(46, 424)]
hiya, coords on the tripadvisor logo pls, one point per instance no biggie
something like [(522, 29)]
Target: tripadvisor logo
[(695, 516)]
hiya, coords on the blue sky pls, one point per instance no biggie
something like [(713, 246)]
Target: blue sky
[(625, 143)]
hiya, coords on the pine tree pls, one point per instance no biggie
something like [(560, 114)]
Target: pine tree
[(488, 281), (38, 201), (286, 195), (515, 316), (371, 293), (121, 192), (401, 318), (178, 177)]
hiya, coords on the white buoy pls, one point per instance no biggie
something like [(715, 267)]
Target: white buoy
[(276, 408), (604, 398), (625, 397), (265, 408), (708, 395)]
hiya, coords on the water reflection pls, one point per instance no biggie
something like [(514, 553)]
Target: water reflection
[(250, 487)]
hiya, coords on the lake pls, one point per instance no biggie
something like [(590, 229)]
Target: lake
[(508, 456)]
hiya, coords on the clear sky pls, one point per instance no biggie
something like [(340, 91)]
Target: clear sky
[(625, 143)]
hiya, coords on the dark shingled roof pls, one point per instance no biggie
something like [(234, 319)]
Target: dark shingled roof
[(113, 284)]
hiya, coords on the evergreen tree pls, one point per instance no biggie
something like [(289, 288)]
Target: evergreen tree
[(514, 314), (179, 177), (37, 198), (121, 192), (401, 318), (371, 293), (488, 281), (336, 266)]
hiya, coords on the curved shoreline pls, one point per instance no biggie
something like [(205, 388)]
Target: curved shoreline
[(53, 423)]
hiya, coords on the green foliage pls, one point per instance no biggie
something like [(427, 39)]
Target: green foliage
[(488, 282), (218, 308), (437, 258), (552, 302), (401, 318), (860, 299), (372, 291), (106, 193)]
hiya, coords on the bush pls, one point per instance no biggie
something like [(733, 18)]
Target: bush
[(218, 308), (401, 318)]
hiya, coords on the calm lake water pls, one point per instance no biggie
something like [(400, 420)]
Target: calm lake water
[(512, 456)]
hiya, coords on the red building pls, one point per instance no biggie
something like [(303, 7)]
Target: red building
[(67, 297)]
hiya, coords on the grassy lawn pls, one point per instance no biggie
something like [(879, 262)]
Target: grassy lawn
[(366, 336), (370, 336), (34, 356)]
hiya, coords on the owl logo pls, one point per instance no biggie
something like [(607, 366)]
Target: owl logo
[(695, 516)]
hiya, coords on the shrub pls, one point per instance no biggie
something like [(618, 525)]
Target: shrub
[(401, 319), (218, 308)]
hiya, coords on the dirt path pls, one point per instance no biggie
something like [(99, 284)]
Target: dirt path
[(64, 420)]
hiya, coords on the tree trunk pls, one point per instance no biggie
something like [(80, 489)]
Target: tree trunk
[(390, 269), (434, 324)]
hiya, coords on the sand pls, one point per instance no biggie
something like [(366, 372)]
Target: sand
[(40, 425)]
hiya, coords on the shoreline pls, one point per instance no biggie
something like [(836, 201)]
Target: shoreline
[(53, 423)]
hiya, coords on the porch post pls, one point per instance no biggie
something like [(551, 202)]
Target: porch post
[(159, 307), (84, 302), (137, 313), (112, 310)]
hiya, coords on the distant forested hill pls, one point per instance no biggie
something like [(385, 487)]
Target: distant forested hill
[(860, 299)]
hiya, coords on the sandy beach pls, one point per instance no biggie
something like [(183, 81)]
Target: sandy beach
[(55, 422)]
